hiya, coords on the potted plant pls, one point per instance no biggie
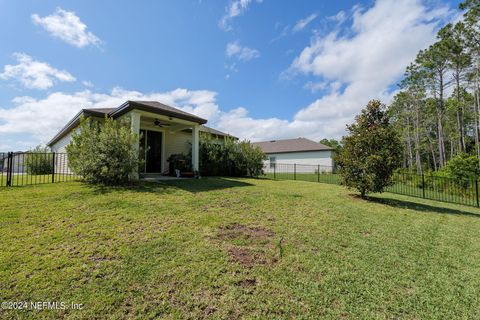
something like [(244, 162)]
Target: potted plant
[(179, 165)]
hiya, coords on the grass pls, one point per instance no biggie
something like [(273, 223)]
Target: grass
[(312, 177), (232, 248), (31, 179), (449, 191)]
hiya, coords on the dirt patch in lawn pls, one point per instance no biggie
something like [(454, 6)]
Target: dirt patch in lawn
[(247, 257), (249, 246), (247, 283)]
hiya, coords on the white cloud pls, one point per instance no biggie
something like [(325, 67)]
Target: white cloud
[(234, 49), (38, 120), (87, 84), (340, 17), (43, 118), (234, 9), (301, 24), (34, 74), (315, 86), (68, 27), (381, 42)]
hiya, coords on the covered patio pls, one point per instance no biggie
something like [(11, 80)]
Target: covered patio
[(163, 131)]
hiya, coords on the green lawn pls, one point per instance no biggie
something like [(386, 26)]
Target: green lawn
[(30, 179), (450, 192), (312, 177), (233, 248)]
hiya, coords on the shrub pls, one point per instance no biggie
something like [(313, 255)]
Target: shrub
[(39, 161), (249, 159), (371, 152), (103, 153), (230, 158), (461, 167)]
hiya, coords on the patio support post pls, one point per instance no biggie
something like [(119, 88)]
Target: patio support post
[(135, 126), (195, 147)]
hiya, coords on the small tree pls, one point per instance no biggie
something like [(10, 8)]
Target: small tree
[(39, 161), (103, 152), (371, 151), (332, 143), (249, 159)]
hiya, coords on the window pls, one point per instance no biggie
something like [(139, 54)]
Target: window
[(272, 161)]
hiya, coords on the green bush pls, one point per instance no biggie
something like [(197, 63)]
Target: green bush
[(230, 158), (461, 167), (371, 152), (39, 161), (103, 152)]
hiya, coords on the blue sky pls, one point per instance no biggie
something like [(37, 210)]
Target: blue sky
[(256, 69)]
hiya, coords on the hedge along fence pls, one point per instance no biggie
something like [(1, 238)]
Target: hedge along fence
[(458, 191), (28, 168)]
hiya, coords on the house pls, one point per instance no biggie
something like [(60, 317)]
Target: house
[(164, 130), (306, 154), (18, 165)]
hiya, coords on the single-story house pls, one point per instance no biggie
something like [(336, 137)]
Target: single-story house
[(165, 131), (18, 165), (305, 154)]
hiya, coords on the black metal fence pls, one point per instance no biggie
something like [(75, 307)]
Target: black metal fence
[(458, 191), (304, 172), (27, 168)]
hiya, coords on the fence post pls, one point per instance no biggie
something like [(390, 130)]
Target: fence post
[(294, 171), (423, 185), (318, 173), (274, 171), (53, 167), (476, 190), (9, 168)]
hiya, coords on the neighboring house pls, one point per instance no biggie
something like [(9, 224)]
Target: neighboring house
[(306, 154), (18, 159), (165, 131)]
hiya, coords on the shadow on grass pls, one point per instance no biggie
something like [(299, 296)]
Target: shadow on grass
[(170, 186), (396, 203)]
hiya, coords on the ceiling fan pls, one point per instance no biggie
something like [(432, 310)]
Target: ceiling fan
[(160, 124)]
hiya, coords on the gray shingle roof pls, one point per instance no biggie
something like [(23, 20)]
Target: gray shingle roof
[(101, 110), (291, 145), (170, 111), (150, 106), (216, 132)]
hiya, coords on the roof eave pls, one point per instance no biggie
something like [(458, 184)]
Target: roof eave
[(129, 105), (122, 109), (69, 126), (73, 123)]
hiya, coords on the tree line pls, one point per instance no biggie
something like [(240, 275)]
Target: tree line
[(437, 110)]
